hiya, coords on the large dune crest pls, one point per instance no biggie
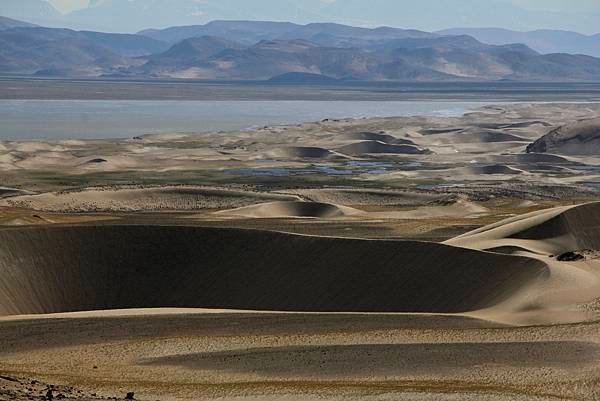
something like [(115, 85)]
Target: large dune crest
[(512, 271), (567, 240), (551, 231)]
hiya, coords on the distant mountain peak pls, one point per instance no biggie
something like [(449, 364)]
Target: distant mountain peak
[(545, 41), (9, 23)]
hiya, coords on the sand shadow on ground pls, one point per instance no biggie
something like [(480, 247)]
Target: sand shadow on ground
[(387, 359)]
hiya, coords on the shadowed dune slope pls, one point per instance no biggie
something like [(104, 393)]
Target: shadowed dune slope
[(63, 269), (9, 192), (569, 228), (292, 209), (374, 147), (481, 137), (580, 138), (375, 136), (491, 169), (303, 152), (580, 224)]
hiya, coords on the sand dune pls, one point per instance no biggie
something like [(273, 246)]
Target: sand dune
[(437, 131), (480, 137), (373, 147), (461, 208), (546, 236), (580, 138), (371, 196), (491, 169), (97, 160), (383, 359), (62, 269), (525, 124), (10, 192), (508, 311), (142, 199), (530, 158), (229, 356), (291, 209), (302, 152), (552, 231), (374, 136)]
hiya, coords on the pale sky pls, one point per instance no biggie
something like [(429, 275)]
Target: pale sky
[(559, 5), (429, 15), (69, 5), (550, 5)]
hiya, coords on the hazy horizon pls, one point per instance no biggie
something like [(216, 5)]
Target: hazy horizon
[(427, 15)]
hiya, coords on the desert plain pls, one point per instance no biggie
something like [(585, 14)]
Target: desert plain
[(408, 258)]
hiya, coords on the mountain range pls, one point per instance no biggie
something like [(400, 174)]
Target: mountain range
[(283, 51), (251, 32), (128, 16)]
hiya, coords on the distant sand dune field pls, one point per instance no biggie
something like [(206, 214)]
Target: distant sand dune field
[(107, 289)]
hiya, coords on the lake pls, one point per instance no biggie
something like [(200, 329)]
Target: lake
[(95, 119), (104, 108)]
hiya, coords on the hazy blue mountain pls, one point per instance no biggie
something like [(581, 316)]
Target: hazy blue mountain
[(135, 15), (248, 32), (126, 44), (543, 41), (263, 60), (54, 52), (251, 32), (337, 35), (35, 11), (436, 58), (8, 23), (197, 49), (450, 42), (187, 54), (332, 50)]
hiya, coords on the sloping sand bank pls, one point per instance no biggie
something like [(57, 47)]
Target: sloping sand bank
[(292, 209), (127, 199), (62, 269), (567, 239), (552, 232)]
